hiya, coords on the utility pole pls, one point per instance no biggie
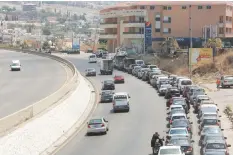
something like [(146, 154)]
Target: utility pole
[(191, 41)]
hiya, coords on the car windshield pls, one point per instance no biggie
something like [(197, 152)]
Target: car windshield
[(153, 66), (108, 82), (178, 117), (107, 93), (165, 86), (178, 101), (118, 76), (210, 121), (228, 78), (211, 130), (140, 62), (92, 56), (170, 151), (121, 102), (91, 70), (137, 67), (216, 146), (95, 121), (186, 82), (179, 142), (178, 131), (180, 123), (15, 64), (174, 108), (198, 91), (210, 115), (208, 109), (214, 137), (174, 91), (120, 97)]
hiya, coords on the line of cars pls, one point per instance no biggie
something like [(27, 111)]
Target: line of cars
[(119, 100), (181, 94)]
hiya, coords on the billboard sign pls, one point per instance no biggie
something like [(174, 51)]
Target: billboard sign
[(199, 56), (148, 36), (75, 44)]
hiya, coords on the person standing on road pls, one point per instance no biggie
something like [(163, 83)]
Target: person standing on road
[(218, 84)]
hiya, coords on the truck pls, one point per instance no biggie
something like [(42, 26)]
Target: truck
[(127, 63), (119, 62), (106, 66)]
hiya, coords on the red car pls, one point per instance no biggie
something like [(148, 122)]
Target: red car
[(119, 79)]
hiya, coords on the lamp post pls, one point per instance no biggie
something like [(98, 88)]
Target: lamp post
[(191, 41)]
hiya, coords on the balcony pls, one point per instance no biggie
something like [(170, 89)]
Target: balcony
[(221, 24), (108, 25), (134, 23), (133, 35), (108, 35), (228, 35), (229, 24), (124, 13)]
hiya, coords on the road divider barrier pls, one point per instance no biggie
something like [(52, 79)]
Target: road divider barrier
[(11, 121)]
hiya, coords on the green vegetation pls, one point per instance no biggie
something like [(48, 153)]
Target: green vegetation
[(7, 9)]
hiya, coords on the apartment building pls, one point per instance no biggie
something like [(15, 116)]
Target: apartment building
[(124, 24)]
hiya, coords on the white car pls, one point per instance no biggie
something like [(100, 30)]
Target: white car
[(184, 82), (97, 125), (121, 96), (92, 58), (15, 65), (177, 116), (178, 107), (170, 150)]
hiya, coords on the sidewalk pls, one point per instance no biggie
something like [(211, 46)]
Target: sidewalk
[(39, 134), (223, 97)]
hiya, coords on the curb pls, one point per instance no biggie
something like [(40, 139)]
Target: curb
[(77, 127)]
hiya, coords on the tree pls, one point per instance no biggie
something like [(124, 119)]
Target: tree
[(46, 31), (13, 9), (45, 45), (75, 17)]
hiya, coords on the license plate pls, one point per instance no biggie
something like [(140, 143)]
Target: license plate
[(96, 126)]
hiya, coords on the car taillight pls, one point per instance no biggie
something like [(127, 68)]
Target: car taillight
[(190, 149), (89, 126), (218, 124), (170, 121), (189, 129), (102, 125)]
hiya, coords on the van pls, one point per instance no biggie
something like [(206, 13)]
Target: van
[(15, 65), (139, 62), (184, 82), (92, 58)]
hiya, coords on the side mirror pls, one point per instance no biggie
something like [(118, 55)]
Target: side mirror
[(167, 132), (205, 94), (191, 122), (222, 129), (225, 137), (129, 97), (192, 141), (218, 109), (167, 108), (188, 117), (87, 123), (219, 116), (229, 145), (219, 120)]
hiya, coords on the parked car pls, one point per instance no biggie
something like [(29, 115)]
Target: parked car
[(227, 81)]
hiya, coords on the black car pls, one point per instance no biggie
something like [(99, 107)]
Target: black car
[(184, 142), (106, 96), (182, 123), (108, 85), (172, 92)]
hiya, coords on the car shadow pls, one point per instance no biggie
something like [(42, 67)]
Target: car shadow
[(94, 134)]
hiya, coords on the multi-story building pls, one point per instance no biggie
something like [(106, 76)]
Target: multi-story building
[(124, 24)]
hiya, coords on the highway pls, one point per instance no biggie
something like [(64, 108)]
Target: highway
[(129, 133), (38, 78)]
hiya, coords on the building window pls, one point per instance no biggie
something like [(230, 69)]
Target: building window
[(166, 30), (167, 19), (221, 31), (164, 7), (169, 7), (184, 7), (208, 7), (220, 19), (142, 7), (152, 7), (157, 19), (157, 30), (199, 7)]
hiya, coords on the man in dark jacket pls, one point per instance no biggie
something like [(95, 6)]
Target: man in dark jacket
[(155, 140)]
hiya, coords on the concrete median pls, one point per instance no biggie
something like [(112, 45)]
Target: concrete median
[(11, 121)]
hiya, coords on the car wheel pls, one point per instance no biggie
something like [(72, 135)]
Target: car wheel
[(105, 132), (107, 129)]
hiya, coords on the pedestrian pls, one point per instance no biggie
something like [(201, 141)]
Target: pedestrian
[(218, 84)]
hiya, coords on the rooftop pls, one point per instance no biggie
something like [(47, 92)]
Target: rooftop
[(148, 3)]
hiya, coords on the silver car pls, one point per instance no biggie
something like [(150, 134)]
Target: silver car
[(120, 105), (97, 125)]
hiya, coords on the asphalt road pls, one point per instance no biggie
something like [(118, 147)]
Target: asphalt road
[(129, 133), (38, 78)]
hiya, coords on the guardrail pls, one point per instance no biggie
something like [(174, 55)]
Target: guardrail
[(29, 112)]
